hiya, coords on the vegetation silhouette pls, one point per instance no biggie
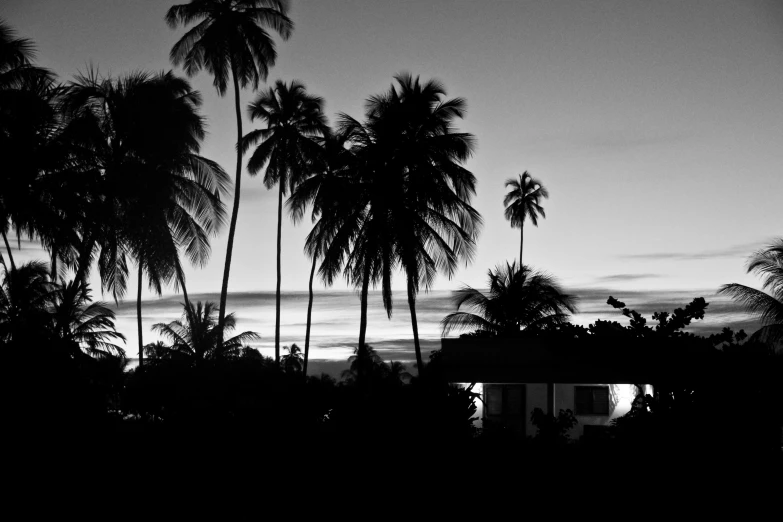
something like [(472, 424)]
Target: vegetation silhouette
[(292, 362), (404, 197), (766, 306), (156, 194), (523, 202), (325, 190), (519, 299), (230, 39), (197, 337), (288, 150), (108, 171)]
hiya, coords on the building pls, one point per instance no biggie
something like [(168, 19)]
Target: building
[(515, 376)]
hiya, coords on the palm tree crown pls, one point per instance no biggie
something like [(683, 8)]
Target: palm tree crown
[(289, 150), (230, 37), (519, 299), (766, 306), (197, 338), (522, 203)]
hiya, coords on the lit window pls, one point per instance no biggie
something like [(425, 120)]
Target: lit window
[(591, 400)]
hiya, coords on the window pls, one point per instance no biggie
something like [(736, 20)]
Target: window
[(591, 400), (506, 400)]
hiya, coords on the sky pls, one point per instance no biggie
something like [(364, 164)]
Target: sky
[(655, 126)]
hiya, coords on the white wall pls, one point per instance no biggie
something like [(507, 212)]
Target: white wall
[(621, 397)]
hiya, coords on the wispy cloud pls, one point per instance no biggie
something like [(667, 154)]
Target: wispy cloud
[(619, 278), (742, 250)]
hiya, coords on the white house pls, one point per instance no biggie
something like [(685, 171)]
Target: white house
[(515, 376)]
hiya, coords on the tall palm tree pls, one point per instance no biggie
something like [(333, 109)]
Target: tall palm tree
[(349, 236), (230, 38), (324, 191), (523, 202), (518, 299), (197, 337), (152, 194), (289, 150), (26, 115), (766, 306), (434, 226)]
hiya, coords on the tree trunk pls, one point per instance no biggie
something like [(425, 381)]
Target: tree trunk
[(550, 398), (181, 279), (232, 227), (138, 315), (84, 261), (415, 324), (277, 294), (53, 266), (10, 255), (521, 242), (309, 317), (365, 289)]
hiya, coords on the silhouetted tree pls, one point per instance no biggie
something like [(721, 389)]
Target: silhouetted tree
[(28, 118), (230, 38), (25, 297), (197, 337), (324, 190), (293, 361), (519, 299), (522, 202), (85, 325), (288, 149), (428, 211), (150, 193), (766, 306)]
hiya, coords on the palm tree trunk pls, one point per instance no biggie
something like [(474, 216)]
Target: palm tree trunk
[(365, 289), (550, 398), (277, 294), (10, 255), (84, 260), (232, 227), (415, 324), (181, 279), (309, 316), (138, 316), (521, 242), (53, 266)]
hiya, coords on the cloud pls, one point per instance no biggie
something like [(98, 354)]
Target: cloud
[(742, 250), (619, 278)]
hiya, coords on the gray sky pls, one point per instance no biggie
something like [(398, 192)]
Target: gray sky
[(656, 126)]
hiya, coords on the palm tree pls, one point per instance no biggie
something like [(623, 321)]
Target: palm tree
[(434, 226), (25, 297), (230, 38), (324, 191), (293, 361), (152, 194), (363, 365), (198, 338), (349, 237), (86, 326), (522, 202), (519, 299), (766, 306), (26, 115), (288, 150)]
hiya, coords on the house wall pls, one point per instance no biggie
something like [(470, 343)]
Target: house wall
[(621, 397)]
